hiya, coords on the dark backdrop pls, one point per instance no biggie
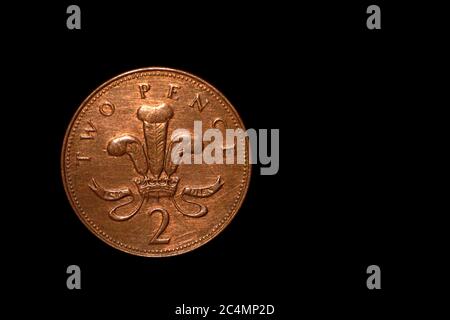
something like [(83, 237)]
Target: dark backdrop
[(334, 89)]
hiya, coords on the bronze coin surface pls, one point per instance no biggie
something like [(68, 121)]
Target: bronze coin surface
[(120, 174)]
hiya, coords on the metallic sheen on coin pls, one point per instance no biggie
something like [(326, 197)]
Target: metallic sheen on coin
[(120, 174)]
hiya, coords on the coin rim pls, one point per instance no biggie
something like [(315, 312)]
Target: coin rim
[(111, 243)]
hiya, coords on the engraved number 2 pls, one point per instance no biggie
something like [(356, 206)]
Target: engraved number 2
[(164, 222)]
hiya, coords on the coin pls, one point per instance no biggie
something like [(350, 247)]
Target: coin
[(120, 168)]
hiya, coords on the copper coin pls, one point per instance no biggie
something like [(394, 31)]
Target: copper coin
[(120, 174)]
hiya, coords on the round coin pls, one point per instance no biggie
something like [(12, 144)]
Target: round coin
[(155, 162)]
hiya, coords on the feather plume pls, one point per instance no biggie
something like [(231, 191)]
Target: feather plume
[(155, 120)]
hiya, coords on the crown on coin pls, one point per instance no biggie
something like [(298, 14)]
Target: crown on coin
[(161, 187)]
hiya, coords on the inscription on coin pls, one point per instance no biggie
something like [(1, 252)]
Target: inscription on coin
[(107, 109), (89, 131), (197, 102)]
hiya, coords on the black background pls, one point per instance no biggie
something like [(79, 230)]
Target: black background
[(334, 89)]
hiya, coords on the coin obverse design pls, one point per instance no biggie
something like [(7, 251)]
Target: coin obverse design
[(121, 178)]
